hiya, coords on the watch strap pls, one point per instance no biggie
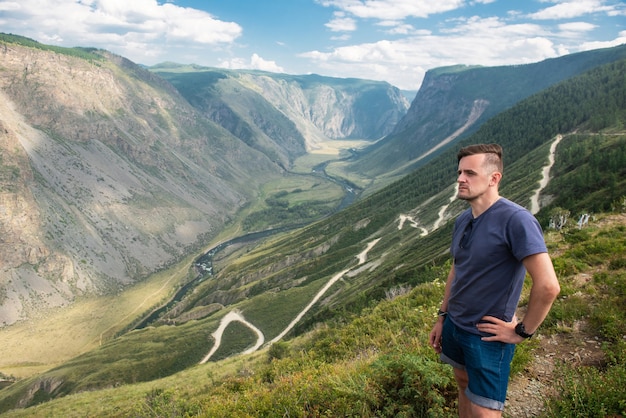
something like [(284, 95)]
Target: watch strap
[(521, 330)]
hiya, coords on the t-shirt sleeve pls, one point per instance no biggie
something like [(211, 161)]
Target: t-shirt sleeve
[(525, 235)]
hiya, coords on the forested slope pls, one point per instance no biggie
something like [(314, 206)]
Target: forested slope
[(452, 97)]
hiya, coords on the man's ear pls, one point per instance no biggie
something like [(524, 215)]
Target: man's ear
[(496, 176)]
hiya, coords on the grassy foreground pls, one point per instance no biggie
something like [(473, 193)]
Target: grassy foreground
[(378, 363)]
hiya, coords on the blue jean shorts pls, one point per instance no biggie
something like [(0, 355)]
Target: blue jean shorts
[(487, 363)]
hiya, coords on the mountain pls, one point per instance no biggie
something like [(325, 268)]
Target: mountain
[(294, 113), (453, 102), (110, 174), (323, 287)]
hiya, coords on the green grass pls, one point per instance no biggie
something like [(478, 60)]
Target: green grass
[(589, 392)]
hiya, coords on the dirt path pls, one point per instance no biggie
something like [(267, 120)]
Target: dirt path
[(528, 391), (534, 201), (362, 257), (443, 209), (414, 224), (440, 218), (217, 335), (237, 316)]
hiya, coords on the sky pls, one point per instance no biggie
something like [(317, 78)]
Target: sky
[(388, 40)]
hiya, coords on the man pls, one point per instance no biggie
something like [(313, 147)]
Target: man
[(494, 243)]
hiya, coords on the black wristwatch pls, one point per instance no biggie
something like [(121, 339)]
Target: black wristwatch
[(521, 330), (442, 313)]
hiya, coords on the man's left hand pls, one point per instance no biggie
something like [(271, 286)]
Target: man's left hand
[(501, 331)]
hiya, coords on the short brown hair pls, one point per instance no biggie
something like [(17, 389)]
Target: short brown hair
[(493, 154)]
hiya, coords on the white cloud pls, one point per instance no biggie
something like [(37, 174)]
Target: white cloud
[(473, 41), (403, 30), (393, 9), (571, 9), (617, 12), (577, 27), (343, 37), (234, 64), (9, 5), (341, 23), (398, 27), (574, 29), (255, 63), (258, 63), (620, 40), (138, 29)]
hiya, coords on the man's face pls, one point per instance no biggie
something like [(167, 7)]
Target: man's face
[(473, 178)]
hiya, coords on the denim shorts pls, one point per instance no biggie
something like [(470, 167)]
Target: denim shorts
[(487, 363)]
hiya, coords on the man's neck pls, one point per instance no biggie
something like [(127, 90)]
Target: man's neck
[(481, 204)]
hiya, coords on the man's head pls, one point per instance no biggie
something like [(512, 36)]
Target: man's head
[(480, 171), (493, 155)]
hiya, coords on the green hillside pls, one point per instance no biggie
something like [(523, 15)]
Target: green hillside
[(361, 351)]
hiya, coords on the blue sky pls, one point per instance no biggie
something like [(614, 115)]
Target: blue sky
[(390, 40)]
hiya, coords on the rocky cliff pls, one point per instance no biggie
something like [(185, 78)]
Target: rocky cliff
[(289, 114)]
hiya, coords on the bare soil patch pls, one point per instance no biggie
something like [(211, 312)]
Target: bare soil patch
[(528, 391)]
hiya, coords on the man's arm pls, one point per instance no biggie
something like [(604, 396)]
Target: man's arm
[(544, 290), (435, 334)]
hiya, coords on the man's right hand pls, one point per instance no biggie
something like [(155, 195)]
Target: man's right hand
[(435, 335)]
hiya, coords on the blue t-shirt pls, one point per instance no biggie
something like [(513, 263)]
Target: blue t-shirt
[(489, 273)]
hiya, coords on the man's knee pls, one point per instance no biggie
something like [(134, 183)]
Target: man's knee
[(461, 378)]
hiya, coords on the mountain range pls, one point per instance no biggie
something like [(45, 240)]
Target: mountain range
[(113, 174)]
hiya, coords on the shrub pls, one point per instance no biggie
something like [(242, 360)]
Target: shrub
[(567, 310), (163, 403), (574, 236), (413, 386), (610, 317), (278, 350), (617, 263), (568, 266)]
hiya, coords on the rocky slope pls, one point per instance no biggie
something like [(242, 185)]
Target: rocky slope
[(108, 174)]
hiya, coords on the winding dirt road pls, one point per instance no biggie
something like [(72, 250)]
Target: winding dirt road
[(237, 316), (230, 317)]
